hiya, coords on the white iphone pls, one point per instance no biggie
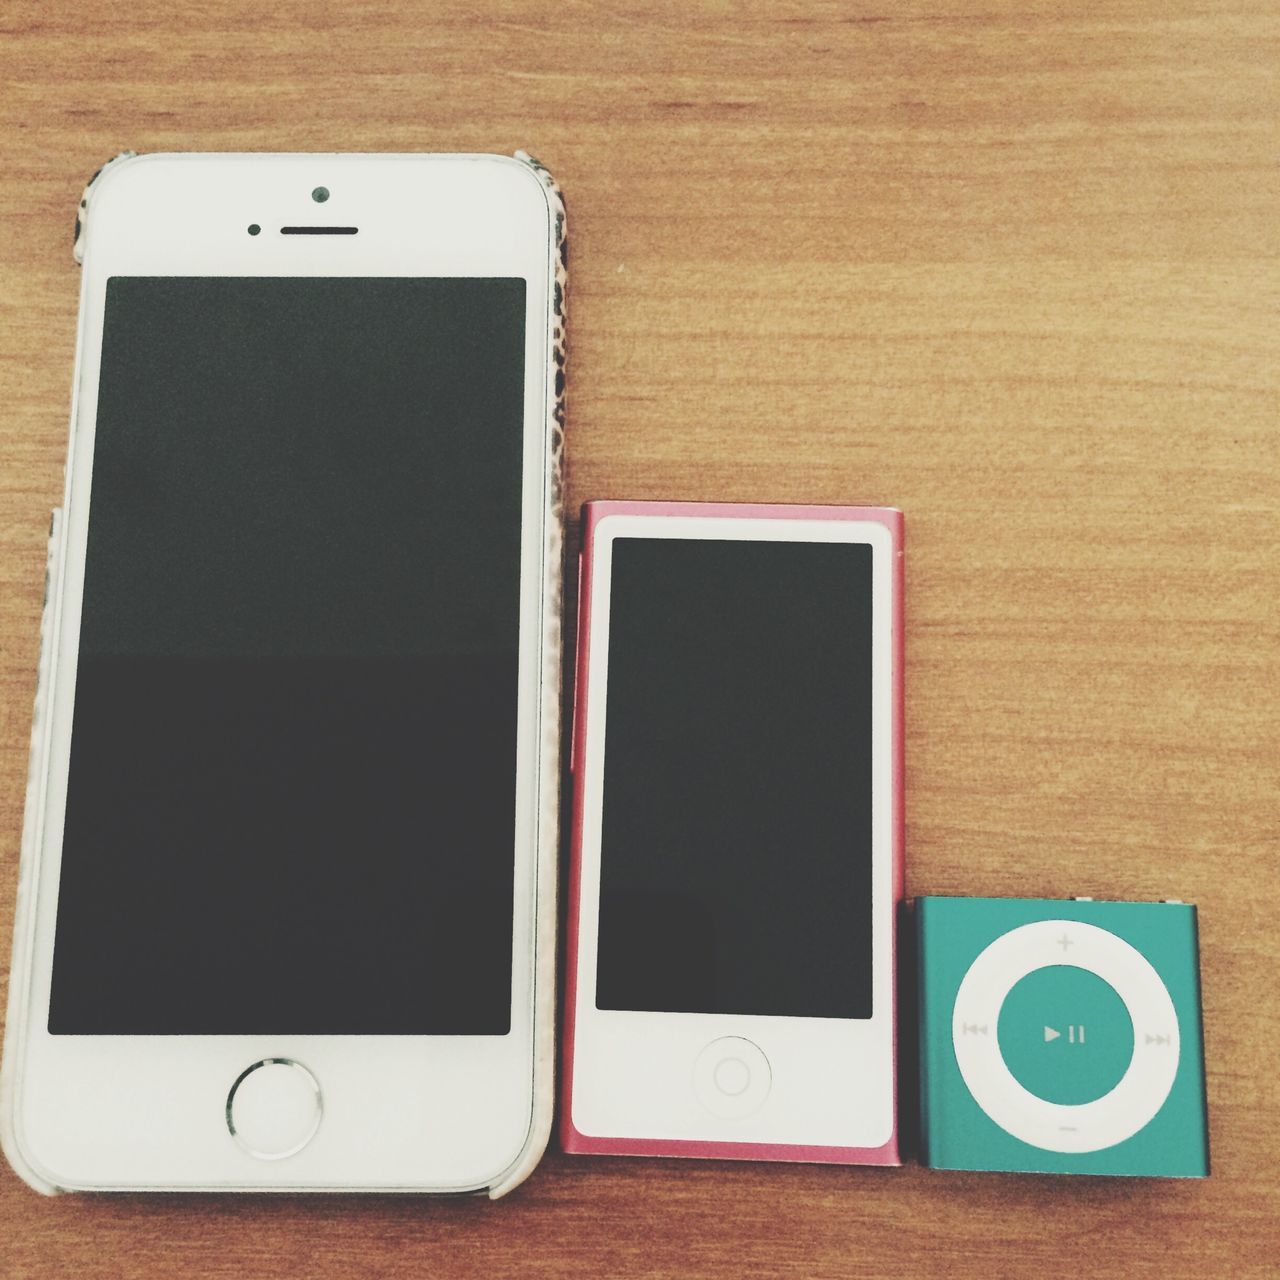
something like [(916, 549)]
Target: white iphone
[(737, 833), (296, 773)]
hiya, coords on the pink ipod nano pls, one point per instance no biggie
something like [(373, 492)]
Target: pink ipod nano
[(729, 1093)]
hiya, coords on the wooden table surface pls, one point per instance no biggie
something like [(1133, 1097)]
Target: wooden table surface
[(1012, 268)]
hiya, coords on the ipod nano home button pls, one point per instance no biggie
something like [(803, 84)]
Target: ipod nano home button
[(732, 1078), (274, 1108)]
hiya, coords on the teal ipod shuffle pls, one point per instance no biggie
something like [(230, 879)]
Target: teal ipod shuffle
[(1061, 1037)]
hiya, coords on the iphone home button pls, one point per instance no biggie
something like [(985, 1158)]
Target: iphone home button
[(731, 1077), (274, 1108)]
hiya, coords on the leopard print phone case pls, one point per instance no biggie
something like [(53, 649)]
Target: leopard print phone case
[(544, 1038)]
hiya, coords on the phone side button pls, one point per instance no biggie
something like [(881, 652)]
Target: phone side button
[(732, 1078), (274, 1108)]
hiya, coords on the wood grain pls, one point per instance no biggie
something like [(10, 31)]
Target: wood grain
[(1011, 268)]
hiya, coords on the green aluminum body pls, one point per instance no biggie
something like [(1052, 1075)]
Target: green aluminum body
[(1043, 1041)]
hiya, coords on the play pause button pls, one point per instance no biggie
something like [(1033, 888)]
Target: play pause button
[(1065, 1034), (1075, 1034)]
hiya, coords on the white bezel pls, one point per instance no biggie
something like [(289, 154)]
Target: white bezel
[(634, 1072), (442, 1113)]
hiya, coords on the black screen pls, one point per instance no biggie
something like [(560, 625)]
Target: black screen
[(735, 857), (291, 799)]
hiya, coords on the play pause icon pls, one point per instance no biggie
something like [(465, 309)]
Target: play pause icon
[(1075, 1034)]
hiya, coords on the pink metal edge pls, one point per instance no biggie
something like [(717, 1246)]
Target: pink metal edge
[(572, 1140)]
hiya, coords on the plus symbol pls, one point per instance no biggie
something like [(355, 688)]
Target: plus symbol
[(1064, 942)]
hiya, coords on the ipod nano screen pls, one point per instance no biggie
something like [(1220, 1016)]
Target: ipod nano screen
[(291, 797), (735, 860)]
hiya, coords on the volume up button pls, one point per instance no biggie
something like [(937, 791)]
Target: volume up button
[(577, 652)]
